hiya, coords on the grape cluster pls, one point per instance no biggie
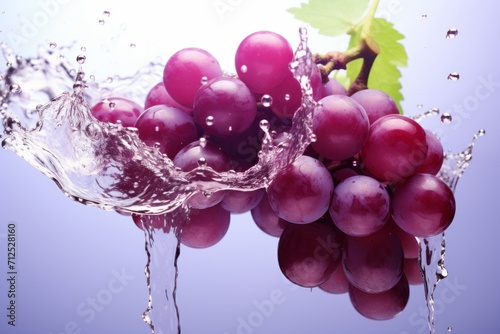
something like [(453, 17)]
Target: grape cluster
[(347, 213)]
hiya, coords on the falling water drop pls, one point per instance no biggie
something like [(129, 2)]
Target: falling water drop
[(453, 76), (446, 118), (287, 97), (83, 49), (133, 45), (81, 59), (15, 88), (313, 137), (452, 33), (106, 13), (264, 125), (266, 100), (101, 22), (203, 142), (52, 45), (449, 329), (112, 105), (202, 162), (109, 79), (209, 120)]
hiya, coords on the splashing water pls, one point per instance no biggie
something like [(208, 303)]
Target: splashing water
[(106, 165)]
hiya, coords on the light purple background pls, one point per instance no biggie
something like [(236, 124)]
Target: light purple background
[(69, 254)]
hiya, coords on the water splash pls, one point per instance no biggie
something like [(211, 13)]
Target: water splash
[(433, 250)]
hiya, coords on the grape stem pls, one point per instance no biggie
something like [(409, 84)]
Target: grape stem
[(367, 49)]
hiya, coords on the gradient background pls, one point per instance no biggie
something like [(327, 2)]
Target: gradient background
[(68, 254)]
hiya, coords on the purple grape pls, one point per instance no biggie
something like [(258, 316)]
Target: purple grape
[(117, 110), (435, 155), (337, 283), (266, 219), (237, 201), (206, 227), (159, 95)]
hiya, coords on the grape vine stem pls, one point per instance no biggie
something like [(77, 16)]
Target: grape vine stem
[(367, 49)]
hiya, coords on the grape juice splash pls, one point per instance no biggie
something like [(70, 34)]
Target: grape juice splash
[(107, 166)]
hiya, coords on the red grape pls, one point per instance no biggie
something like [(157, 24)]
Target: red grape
[(170, 127), (376, 103), (224, 106), (423, 205), (205, 227), (117, 110), (237, 201), (301, 192), (396, 146), (412, 272), (337, 283), (159, 95), (262, 60), (373, 263), (333, 87), (266, 219), (341, 127), (185, 72), (360, 206), (435, 155), (308, 254), (381, 306)]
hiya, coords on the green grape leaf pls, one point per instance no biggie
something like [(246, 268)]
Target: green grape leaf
[(331, 17), (385, 74)]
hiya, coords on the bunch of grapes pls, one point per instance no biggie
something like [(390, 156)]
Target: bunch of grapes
[(347, 212)]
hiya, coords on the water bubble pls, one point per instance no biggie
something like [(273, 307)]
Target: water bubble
[(266, 100), (83, 49), (106, 13), (203, 142), (52, 45), (287, 97), (452, 33), (209, 120), (112, 105), (101, 22), (15, 88), (446, 118), (202, 162), (243, 68), (453, 76), (81, 59), (133, 45), (92, 77), (204, 80), (264, 125)]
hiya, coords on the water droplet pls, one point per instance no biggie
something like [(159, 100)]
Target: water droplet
[(83, 49), (204, 80), (209, 120), (420, 106), (449, 329), (452, 33), (15, 88), (157, 145), (287, 97), (313, 137), (101, 22), (453, 76), (446, 118), (203, 142), (202, 162), (157, 128), (133, 45), (230, 128), (109, 79), (8, 64), (135, 185), (424, 16), (52, 45), (266, 100), (106, 13), (243, 68), (264, 125), (112, 105), (81, 59), (92, 77)]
